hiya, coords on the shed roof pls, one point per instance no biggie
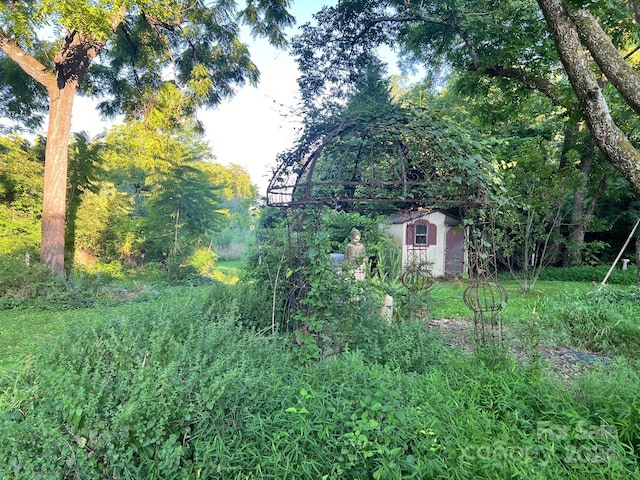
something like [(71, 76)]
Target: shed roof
[(412, 215)]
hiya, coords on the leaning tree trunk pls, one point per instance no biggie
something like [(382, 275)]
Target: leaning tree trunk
[(611, 141), (55, 176)]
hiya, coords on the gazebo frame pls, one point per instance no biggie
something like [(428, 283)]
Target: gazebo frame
[(294, 186)]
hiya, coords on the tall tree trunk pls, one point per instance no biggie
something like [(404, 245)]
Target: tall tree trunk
[(55, 176), (71, 64), (580, 226), (579, 217), (570, 143)]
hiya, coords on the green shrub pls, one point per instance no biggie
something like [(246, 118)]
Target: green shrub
[(406, 347), (35, 286), (112, 270), (203, 260), (169, 393), (255, 306), (28, 286), (348, 418), (612, 392), (19, 279), (590, 274)]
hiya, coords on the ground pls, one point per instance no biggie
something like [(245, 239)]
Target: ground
[(562, 362)]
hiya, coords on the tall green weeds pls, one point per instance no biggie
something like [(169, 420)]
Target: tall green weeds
[(606, 321), (177, 389)]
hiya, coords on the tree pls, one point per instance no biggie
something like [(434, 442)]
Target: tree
[(84, 171), (505, 42), (181, 209), (106, 229), (146, 57), (515, 124), (533, 204), (21, 168), (167, 196), (234, 182), (572, 31)]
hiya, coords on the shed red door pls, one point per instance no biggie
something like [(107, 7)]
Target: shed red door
[(454, 251)]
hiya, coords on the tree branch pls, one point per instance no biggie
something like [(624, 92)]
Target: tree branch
[(611, 141), (606, 55), (132, 58), (600, 191), (533, 82), (27, 62), (475, 58), (156, 22)]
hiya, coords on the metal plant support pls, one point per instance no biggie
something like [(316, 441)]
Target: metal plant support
[(485, 297), (417, 280)]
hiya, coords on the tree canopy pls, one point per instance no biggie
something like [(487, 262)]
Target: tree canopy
[(521, 46), (375, 149)]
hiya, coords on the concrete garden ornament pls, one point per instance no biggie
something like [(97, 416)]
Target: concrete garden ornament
[(355, 255)]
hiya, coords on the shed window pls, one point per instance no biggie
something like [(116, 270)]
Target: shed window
[(421, 235)]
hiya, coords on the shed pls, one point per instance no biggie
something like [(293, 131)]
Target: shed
[(432, 238)]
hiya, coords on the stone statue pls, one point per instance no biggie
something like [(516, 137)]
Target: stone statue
[(355, 255)]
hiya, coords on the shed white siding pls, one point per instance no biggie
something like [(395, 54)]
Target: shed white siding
[(428, 245)]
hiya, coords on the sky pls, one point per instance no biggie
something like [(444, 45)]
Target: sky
[(253, 127)]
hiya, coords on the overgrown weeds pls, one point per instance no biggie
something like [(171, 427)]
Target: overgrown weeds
[(590, 274), (178, 391), (179, 387), (604, 321)]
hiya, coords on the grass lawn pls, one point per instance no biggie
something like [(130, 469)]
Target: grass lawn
[(447, 298), (228, 271), (23, 331), (236, 265)]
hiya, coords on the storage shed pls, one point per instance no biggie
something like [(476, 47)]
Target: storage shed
[(432, 238)]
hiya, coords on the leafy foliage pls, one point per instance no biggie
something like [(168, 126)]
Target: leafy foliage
[(181, 209), (375, 155), (438, 37), (590, 274), (20, 97), (291, 261), (175, 389), (82, 177), (154, 61), (604, 321), (21, 170), (158, 197), (142, 43)]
